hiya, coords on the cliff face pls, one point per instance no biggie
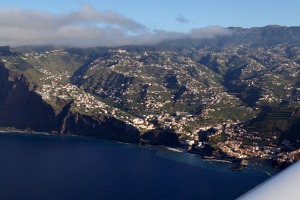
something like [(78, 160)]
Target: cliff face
[(105, 127), (161, 137), (101, 126), (22, 108)]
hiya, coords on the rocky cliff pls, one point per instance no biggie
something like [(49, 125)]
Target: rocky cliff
[(161, 137), (22, 108), (102, 126)]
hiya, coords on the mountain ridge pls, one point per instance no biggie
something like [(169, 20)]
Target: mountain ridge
[(178, 86)]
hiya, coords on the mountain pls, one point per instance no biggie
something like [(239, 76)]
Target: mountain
[(157, 94)]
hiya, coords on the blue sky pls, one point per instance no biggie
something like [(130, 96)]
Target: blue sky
[(162, 14), (152, 17)]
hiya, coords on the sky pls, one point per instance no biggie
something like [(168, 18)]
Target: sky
[(120, 22)]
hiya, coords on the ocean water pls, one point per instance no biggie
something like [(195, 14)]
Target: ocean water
[(76, 168)]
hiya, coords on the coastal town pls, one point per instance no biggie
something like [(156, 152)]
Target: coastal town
[(149, 100), (237, 142), (178, 103), (171, 91)]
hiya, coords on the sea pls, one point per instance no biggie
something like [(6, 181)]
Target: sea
[(81, 168)]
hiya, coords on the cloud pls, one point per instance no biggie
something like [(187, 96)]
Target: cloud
[(209, 32), (181, 19), (87, 27)]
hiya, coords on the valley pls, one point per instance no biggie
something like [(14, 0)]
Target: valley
[(238, 94)]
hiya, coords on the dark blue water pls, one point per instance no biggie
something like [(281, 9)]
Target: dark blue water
[(54, 167)]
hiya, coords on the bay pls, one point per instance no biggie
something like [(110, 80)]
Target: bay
[(63, 168)]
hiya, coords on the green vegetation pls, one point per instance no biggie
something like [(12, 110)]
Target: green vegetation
[(273, 120), (214, 140), (183, 84)]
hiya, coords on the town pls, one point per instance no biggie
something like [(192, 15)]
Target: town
[(183, 92)]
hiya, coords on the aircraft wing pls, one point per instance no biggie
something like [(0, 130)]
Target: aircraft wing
[(284, 185)]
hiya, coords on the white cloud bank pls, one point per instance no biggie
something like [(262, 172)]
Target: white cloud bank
[(84, 28)]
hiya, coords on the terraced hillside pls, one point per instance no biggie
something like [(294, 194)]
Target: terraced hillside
[(178, 85)]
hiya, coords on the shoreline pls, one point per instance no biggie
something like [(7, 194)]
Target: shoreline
[(202, 156), (174, 149), (26, 132)]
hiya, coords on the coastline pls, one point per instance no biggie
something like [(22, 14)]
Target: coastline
[(24, 132), (45, 154), (236, 162), (178, 150)]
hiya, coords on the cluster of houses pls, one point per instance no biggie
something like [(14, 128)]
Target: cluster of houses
[(208, 94), (234, 145)]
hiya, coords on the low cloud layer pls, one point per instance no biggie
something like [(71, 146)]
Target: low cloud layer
[(85, 28)]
